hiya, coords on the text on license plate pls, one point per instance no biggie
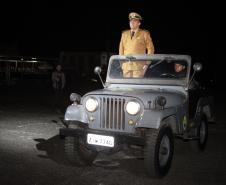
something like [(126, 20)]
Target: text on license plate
[(100, 140)]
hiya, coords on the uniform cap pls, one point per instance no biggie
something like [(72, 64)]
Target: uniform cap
[(134, 15)]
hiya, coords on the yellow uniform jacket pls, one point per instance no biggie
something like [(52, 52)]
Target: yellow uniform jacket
[(140, 43)]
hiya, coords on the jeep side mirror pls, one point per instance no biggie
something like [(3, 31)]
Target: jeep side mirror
[(97, 70), (197, 67)]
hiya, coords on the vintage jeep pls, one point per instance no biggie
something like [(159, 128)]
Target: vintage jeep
[(146, 111)]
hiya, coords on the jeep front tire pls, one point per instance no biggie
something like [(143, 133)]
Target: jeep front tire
[(158, 151), (78, 152)]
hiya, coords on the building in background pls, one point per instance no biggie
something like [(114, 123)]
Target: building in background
[(80, 65), (15, 69)]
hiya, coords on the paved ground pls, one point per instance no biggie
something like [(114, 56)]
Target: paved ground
[(31, 153)]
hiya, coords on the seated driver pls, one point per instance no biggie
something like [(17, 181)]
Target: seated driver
[(179, 69)]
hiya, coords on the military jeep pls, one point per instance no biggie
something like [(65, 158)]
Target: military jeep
[(147, 111)]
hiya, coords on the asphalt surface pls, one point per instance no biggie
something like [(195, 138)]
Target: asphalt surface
[(31, 152)]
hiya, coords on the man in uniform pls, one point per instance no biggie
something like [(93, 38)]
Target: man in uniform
[(135, 41)]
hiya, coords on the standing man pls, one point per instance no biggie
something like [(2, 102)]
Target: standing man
[(58, 83), (135, 41)]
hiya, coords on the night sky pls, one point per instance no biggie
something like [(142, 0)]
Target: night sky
[(45, 29)]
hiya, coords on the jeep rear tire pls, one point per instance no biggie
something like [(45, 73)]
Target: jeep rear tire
[(202, 132), (77, 152), (158, 151)]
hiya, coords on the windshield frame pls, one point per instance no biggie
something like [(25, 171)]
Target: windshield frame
[(177, 82)]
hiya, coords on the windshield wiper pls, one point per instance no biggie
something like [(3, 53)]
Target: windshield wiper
[(159, 62)]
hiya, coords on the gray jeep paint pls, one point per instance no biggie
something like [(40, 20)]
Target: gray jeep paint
[(112, 99)]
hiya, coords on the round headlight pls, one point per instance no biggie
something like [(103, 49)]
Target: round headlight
[(132, 107), (91, 104)]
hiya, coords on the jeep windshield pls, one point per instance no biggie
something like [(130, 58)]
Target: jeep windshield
[(149, 69)]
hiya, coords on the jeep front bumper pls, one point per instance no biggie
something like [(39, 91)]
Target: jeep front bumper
[(119, 138)]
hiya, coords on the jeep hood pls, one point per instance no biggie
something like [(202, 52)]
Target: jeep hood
[(174, 97)]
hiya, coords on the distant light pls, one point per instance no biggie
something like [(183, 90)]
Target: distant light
[(32, 61)]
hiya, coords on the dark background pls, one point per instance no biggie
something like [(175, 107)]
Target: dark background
[(44, 29), (31, 151)]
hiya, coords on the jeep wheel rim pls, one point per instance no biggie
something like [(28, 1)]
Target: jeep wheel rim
[(164, 150), (202, 132)]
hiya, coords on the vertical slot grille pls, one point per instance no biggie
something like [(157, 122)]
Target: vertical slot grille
[(112, 113)]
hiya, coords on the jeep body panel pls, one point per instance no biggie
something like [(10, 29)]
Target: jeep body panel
[(111, 113), (146, 110)]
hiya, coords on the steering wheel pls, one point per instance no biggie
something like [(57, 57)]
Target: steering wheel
[(168, 75)]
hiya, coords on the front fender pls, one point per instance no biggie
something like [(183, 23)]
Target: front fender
[(153, 118), (76, 112)]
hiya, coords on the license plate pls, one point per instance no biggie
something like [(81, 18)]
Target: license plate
[(100, 140)]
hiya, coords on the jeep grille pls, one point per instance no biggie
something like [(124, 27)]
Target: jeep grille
[(112, 113)]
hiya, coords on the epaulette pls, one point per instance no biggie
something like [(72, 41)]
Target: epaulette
[(124, 31), (146, 30)]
